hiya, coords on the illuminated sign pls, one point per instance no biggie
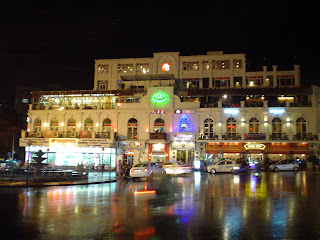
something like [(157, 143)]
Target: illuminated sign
[(165, 67), (276, 111), (159, 111), (182, 136), (63, 142), (158, 147), (178, 111), (231, 111), (160, 97), (254, 146)]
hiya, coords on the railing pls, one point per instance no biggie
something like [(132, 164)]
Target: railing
[(34, 134), (157, 136), (255, 136), (211, 136), (132, 136), (103, 135), (231, 136), (305, 136), (279, 136)]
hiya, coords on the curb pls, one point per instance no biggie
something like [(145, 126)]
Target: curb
[(53, 184)]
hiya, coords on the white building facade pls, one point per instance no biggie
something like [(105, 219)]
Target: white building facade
[(173, 107)]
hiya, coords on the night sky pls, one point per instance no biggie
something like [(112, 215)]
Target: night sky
[(44, 43)]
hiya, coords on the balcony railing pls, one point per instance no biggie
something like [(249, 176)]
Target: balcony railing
[(255, 136), (210, 136), (279, 136), (231, 136), (305, 136), (103, 135), (157, 136)]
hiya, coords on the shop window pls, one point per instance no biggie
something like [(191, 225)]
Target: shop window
[(276, 125), (88, 124), (301, 125), (132, 129), (231, 125), (54, 124), (208, 128), (159, 125), (71, 127), (253, 125)]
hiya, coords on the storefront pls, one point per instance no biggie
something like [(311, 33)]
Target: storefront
[(62, 152), (183, 147), (132, 151), (158, 152), (256, 151)]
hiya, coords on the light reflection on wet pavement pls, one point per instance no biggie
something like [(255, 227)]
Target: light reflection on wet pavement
[(280, 205)]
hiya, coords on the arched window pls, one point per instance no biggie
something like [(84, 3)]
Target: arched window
[(253, 125), (208, 130), (276, 125), (71, 127), (106, 125), (37, 125), (231, 125), (88, 124), (132, 128), (54, 124), (158, 125), (301, 125)]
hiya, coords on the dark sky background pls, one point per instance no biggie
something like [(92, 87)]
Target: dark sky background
[(43, 43)]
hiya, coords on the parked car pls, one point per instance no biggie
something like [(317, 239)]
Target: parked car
[(146, 170), (285, 165), (223, 166), (176, 168)]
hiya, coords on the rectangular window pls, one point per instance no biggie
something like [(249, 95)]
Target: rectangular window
[(285, 81), (206, 65), (143, 68), (190, 66), (102, 85), (221, 64), (25, 100), (191, 84), (103, 68), (269, 81), (125, 68), (237, 64), (237, 82), (221, 83), (254, 82)]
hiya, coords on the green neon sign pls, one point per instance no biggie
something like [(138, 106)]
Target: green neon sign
[(160, 97)]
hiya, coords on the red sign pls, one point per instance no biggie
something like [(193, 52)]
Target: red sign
[(165, 67), (159, 111), (178, 111)]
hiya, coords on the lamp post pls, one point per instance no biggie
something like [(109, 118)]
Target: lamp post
[(29, 143)]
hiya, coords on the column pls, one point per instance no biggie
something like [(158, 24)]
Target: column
[(274, 74)]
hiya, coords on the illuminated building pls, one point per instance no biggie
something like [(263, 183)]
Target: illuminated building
[(173, 107)]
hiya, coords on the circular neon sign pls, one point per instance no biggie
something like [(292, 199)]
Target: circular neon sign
[(160, 97)]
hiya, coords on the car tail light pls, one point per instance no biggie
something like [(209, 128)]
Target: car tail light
[(146, 169)]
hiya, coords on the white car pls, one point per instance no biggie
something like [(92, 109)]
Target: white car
[(176, 168), (223, 166), (146, 170), (284, 165)]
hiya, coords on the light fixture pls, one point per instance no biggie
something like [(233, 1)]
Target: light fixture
[(276, 111), (220, 124), (265, 123), (231, 111)]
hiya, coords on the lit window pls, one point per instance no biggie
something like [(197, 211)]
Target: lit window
[(103, 68)]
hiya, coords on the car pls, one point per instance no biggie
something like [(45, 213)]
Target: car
[(146, 170), (283, 165), (176, 168), (223, 166)]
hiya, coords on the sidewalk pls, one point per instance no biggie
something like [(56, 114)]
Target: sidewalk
[(93, 178)]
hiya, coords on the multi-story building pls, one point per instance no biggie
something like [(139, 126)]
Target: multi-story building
[(173, 107)]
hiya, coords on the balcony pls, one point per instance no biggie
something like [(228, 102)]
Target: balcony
[(210, 136), (279, 136), (157, 136), (106, 135), (305, 136), (255, 136), (231, 136)]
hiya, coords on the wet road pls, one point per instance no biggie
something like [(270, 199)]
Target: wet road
[(282, 205)]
